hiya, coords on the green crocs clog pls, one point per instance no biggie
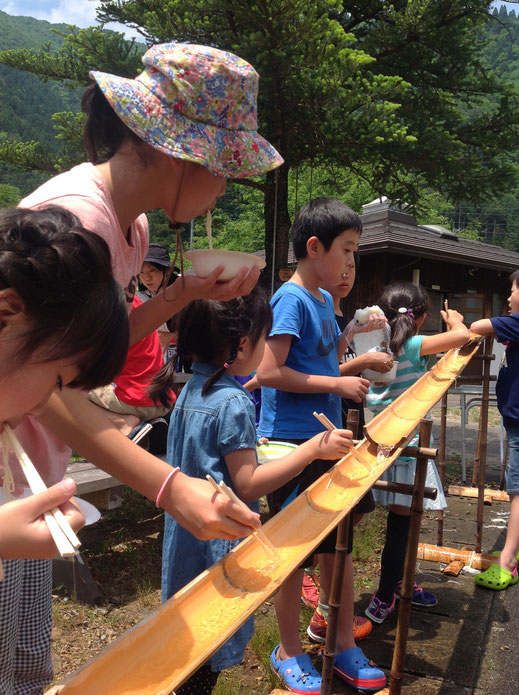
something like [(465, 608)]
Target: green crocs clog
[(497, 578)]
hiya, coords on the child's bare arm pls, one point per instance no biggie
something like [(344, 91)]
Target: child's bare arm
[(482, 327), (455, 337), (273, 372), (192, 502), (252, 481), (378, 361), (252, 384)]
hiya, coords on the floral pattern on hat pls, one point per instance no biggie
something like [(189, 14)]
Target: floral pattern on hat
[(196, 103)]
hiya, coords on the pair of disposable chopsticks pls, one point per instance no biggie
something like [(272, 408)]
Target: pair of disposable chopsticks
[(329, 424), (222, 487), (64, 537)]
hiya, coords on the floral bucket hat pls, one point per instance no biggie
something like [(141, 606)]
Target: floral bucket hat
[(196, 103)]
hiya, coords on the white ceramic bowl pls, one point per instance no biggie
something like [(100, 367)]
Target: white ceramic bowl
[(204, 261)]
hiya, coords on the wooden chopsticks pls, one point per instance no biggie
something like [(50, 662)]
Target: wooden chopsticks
[(222, 487), (64, 537), (328, 424)]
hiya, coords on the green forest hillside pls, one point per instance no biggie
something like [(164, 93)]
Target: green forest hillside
[(28, 104)]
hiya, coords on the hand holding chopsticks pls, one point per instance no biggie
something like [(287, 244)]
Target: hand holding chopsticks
[(328, 424), (64, 537)]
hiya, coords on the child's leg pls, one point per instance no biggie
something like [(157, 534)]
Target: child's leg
[(287, 603), (508, 557), (25, 627), (345, 638), (393, 555)]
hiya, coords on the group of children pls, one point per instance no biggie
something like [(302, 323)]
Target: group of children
[(228, 330)]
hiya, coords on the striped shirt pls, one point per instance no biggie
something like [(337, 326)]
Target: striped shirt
[(411, 366)]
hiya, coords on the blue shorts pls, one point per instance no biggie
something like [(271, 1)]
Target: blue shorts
[(512, 470)]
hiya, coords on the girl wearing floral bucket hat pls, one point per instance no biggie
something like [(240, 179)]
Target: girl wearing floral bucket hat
[(167, 139)]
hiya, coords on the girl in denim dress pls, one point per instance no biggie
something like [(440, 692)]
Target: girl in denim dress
[(213, 431)]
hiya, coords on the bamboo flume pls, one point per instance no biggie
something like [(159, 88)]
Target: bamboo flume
[(159, 653)]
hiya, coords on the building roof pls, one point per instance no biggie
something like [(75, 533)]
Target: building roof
[(388, 229), (397, 232)]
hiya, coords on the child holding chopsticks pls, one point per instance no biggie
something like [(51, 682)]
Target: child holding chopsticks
[(49, 266), (213, 431), (63, 322)]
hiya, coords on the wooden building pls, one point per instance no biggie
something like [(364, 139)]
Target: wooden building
[(471, 275)]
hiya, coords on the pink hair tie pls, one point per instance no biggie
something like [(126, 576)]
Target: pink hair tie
[(225, 365), (166, 481)]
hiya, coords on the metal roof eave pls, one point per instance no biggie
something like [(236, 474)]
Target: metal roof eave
[(459, 255)]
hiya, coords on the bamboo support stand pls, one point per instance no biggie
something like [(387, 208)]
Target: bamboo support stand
[(483, 434), (404, 612), (334, 600), (441, 461)]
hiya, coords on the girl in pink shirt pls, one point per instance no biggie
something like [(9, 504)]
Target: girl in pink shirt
[(167, 139)]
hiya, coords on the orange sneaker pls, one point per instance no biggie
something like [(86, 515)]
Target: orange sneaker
[(361, 627), (316, 630), (309, 592)]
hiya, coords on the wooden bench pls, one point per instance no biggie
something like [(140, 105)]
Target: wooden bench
[(96, 486)]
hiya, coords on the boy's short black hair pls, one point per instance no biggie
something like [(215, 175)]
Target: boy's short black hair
[(324, 218), (514, 277)]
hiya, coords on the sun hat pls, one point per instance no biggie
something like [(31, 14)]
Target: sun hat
[(195, 103), (158, 255)]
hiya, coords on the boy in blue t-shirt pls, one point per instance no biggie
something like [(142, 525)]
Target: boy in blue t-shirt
[(300, 374), (503, 572)]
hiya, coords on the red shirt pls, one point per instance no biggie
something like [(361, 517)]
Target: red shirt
[(143, 361)]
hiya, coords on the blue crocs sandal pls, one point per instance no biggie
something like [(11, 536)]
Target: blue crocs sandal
[(359, 672), (297, 674)]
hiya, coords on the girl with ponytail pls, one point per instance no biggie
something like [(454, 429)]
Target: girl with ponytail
[(212, 431), (405, 307)]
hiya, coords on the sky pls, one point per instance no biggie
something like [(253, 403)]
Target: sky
[(82, 12), (78, 12)]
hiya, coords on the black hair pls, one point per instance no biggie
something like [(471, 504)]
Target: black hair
[(325, 218), (104, 130), (63, 275), (403, 295), (514, 277), (211, 331)]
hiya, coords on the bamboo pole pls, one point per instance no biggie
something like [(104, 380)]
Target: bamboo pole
[(334, 600), (430, 493), (478, 561), (406, 594), (441, 462), (483, 428), (462, 491)]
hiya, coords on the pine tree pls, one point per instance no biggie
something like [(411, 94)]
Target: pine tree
[(397, 94)]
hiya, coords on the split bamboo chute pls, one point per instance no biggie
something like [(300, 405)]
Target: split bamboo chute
[(159, 653)]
